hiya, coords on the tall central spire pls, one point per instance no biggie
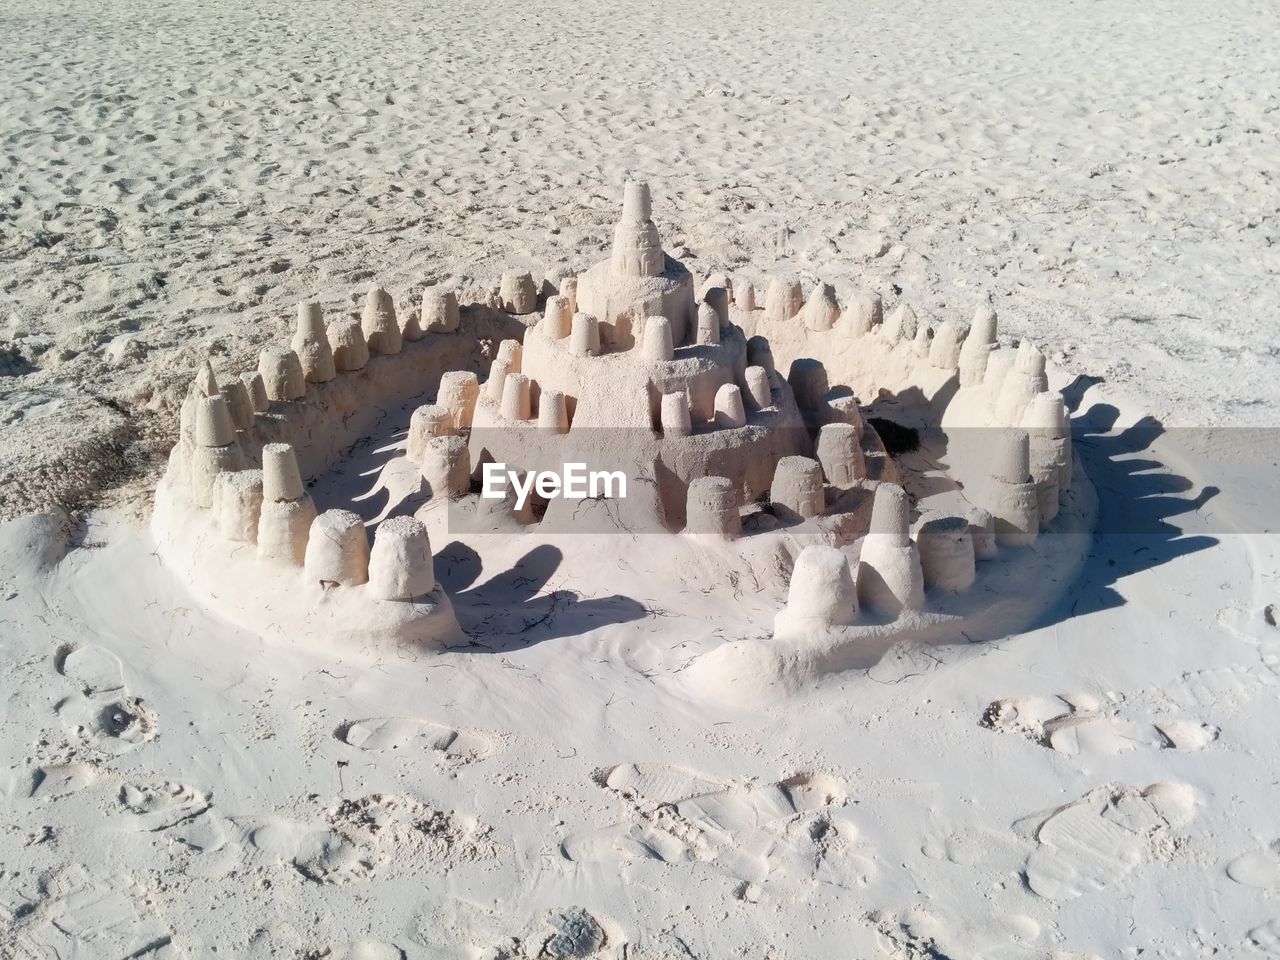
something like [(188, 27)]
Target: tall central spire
[(637, 249)]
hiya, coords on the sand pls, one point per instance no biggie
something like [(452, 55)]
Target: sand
[(176, 179)]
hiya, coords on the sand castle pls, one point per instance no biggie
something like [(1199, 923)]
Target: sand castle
[(627, 369)]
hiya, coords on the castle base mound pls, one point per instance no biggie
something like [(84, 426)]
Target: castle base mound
[(276, 601)]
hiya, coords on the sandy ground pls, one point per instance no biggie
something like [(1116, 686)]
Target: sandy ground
[(1098, 785), (175, 177)]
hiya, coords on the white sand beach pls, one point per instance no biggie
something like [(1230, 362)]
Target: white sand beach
[(602, 766)]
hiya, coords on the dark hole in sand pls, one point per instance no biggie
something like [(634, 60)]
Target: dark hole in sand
[(116, 719), (895, 437)]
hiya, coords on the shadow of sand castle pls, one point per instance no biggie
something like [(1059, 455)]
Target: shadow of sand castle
[(1139, 498), (510, 611)]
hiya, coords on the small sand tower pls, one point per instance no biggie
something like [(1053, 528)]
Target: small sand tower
[(282, 374), (287, 510), (458, 393), (439, 312), (901, 326), (350, 351), (822, 594), (797, 492), (337, 549), (637, 250), (429, 421), (379, 323), (712, 508), (889, 576), (311, 344), (216, 448), (1010, 495), (978, 345), (946, 552), (400, 563)]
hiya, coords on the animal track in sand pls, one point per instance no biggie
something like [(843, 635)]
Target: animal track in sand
[(363, 834), (402, 733), (1079, 723), (786, 829), (102, 712), (1099, 839)]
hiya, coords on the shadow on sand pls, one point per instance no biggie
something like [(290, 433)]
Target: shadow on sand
[(1139, 502), (509, 611)]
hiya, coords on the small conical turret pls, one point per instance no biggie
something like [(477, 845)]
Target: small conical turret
[(206, 382), (379, 323), (311, 344)]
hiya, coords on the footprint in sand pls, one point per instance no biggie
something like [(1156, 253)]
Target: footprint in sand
[(57, 780), (208, 844), (319, 854), (970, 848), (1099, 839), (1223, 689), (788, 829), (367, 950), (52, 781), (656, 782), (402, 733), (1079, 723), (1259, 868), (926, 934), (213, 844), (70, 913), (107, 723), (102, 713), (457, 926), (1266, 938), (360, 835), (163, 806), (1186, 735), (92, 670)]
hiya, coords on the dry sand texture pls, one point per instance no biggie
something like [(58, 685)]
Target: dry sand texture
[(175, 177)]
